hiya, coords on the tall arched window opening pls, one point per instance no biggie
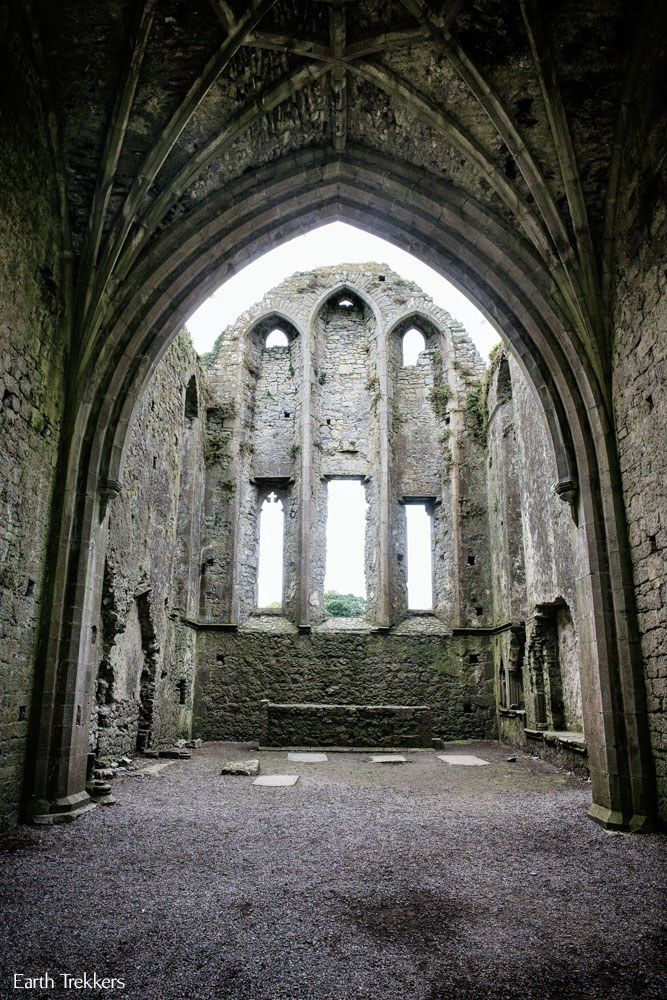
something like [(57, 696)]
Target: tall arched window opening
[(346, 539), (270, 570), (413, 345), (420, 557)]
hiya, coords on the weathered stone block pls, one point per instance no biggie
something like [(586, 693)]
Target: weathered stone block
[(248, 767)]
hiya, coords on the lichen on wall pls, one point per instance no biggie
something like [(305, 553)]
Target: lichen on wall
[(339, 402), (400, 431), (336, 400)]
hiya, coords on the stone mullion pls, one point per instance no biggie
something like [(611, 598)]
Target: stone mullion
[(384, 596), (305, 432)]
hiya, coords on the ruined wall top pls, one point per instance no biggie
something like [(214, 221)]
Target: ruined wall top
[(393, 297)]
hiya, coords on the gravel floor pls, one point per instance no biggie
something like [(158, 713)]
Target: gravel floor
[(418, 880)]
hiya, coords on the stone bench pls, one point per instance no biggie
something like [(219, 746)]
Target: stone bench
[(310, 725)]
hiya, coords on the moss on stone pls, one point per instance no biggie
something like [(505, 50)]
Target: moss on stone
[(441, 397)]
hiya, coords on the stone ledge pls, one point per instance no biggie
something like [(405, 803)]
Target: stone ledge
[(571, 740)]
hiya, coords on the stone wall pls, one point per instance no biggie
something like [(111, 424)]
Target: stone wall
[(421, 442), (640, 407), (638, 290), (346, 419), (32, 352), (346, 725), (534, 567), (452, 676), (471, 502), (337, 402), (151, 578), (472, 445)]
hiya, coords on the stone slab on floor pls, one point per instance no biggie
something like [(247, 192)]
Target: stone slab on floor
[(467, 760), (308, 758), (388, 758), (277, 780)]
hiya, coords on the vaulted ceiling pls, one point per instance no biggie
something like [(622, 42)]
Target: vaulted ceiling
[(518, 104)]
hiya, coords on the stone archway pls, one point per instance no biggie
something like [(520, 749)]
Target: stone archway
[(506, 279)]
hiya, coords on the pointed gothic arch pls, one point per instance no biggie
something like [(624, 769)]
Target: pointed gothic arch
[(504, 277)]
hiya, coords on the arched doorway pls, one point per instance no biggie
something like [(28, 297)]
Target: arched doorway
[(506, 279)]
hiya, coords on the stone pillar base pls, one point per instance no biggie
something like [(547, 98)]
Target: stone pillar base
[(612, 819), (64, 810)]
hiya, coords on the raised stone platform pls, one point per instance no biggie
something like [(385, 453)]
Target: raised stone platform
[(346, 725)]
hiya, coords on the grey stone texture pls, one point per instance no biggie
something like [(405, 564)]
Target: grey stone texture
[(32, 361), (346, 725), (534, 566), (144, 653), (518, 148), (237, 670), (338, 402), (353, 412), (638, 336), (247, 768), (640, 408)]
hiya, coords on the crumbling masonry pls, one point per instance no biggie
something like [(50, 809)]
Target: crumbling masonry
[(184, 648), (148, 152)]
